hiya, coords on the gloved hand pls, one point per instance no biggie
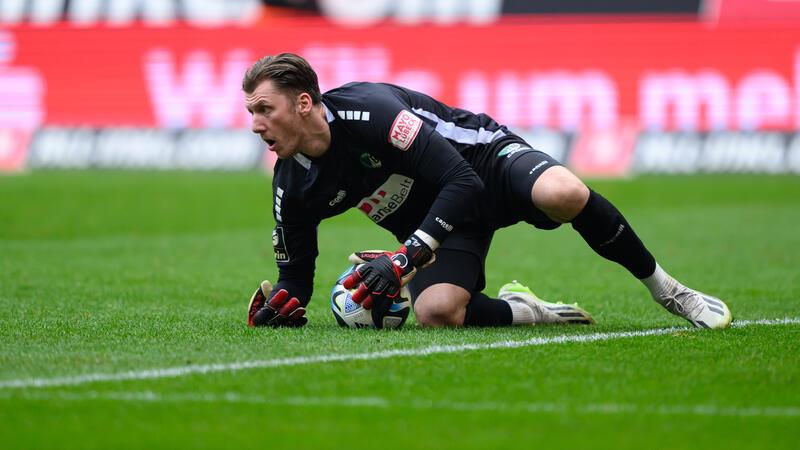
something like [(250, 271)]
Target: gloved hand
[(380, 278), (279, 311)]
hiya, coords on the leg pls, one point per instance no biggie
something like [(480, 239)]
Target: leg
[(559, 194), (562, 197), (549, 194), (442, 305), (448, 292)]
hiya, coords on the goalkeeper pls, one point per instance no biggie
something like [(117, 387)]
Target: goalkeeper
[(443, 181)]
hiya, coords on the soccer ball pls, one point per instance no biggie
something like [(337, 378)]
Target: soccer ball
[(350, 314)]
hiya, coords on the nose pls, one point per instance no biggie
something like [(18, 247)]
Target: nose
[(257, 125)]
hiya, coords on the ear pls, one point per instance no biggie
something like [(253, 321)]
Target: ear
[(304, 103)]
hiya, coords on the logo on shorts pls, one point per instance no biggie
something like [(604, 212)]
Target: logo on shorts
[(369, 161), (511, 149), (404, 130), (537, 166), (279, 245)]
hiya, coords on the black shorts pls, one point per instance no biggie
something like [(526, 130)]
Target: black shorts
[(517, 172), (461, 259)]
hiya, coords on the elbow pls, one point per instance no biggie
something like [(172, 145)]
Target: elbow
[(478, 188), (471, 184)]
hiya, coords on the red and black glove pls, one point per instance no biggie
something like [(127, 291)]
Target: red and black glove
[(279, 311), (380, 278)]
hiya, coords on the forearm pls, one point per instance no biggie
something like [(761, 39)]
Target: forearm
[(459, 186), (296, 253), (461, 189)]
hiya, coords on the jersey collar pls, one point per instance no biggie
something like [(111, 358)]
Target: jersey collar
[(303, 160), (328, 113)]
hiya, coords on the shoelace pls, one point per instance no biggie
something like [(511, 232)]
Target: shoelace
[(673, 305), (682, 303)]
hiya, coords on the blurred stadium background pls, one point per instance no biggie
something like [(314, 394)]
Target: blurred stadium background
[(610, 88)]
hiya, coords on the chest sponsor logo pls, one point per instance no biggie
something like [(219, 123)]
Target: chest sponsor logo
[(279, 245), (511, 149), (388, 198), (404, 130), (369, 161)]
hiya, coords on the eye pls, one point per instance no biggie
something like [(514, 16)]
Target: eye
[(262, 109)]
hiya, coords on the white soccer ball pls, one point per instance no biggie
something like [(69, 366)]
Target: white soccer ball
[(350, 314)]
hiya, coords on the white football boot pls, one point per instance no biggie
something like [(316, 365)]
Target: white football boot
[(542, 311), (701, 310)]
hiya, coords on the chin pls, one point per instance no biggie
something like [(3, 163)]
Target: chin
[(285, 154)]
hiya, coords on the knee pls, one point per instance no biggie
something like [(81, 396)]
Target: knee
[(559, 194), (441, 305)]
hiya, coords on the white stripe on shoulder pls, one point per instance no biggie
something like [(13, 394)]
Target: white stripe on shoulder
[(462, 135)]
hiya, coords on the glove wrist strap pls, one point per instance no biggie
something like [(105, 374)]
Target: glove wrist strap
[(418, 252)]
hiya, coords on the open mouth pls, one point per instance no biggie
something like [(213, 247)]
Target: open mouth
[(270, 142)]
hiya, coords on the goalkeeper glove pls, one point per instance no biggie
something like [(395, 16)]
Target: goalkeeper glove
[(279, 311), (380, 278)]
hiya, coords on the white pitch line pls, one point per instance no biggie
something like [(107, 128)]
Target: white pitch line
[(383, 403), (172, 372)]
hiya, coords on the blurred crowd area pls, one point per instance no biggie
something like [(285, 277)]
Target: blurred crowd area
[(368, 12), (610, 88)]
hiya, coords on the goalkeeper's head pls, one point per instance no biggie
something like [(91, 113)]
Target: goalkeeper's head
[(282, 94)]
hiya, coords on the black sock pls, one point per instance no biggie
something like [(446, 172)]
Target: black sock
[(608, 233), (483, 311)]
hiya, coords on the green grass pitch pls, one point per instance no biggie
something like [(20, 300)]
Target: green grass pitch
[(122, 325)]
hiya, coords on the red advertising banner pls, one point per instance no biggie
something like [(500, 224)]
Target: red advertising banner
[(566, 76), (752, 10)]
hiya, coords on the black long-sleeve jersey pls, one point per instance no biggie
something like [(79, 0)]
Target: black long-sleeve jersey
[(404, 159)]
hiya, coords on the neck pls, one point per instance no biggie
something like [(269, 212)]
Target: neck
[(318, 137)]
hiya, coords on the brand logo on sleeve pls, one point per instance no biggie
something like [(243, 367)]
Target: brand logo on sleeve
[(279, 245), (444, 224), (404, 130), (339, 197)]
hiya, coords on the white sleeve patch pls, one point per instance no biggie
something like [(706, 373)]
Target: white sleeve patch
[(404, 130)]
